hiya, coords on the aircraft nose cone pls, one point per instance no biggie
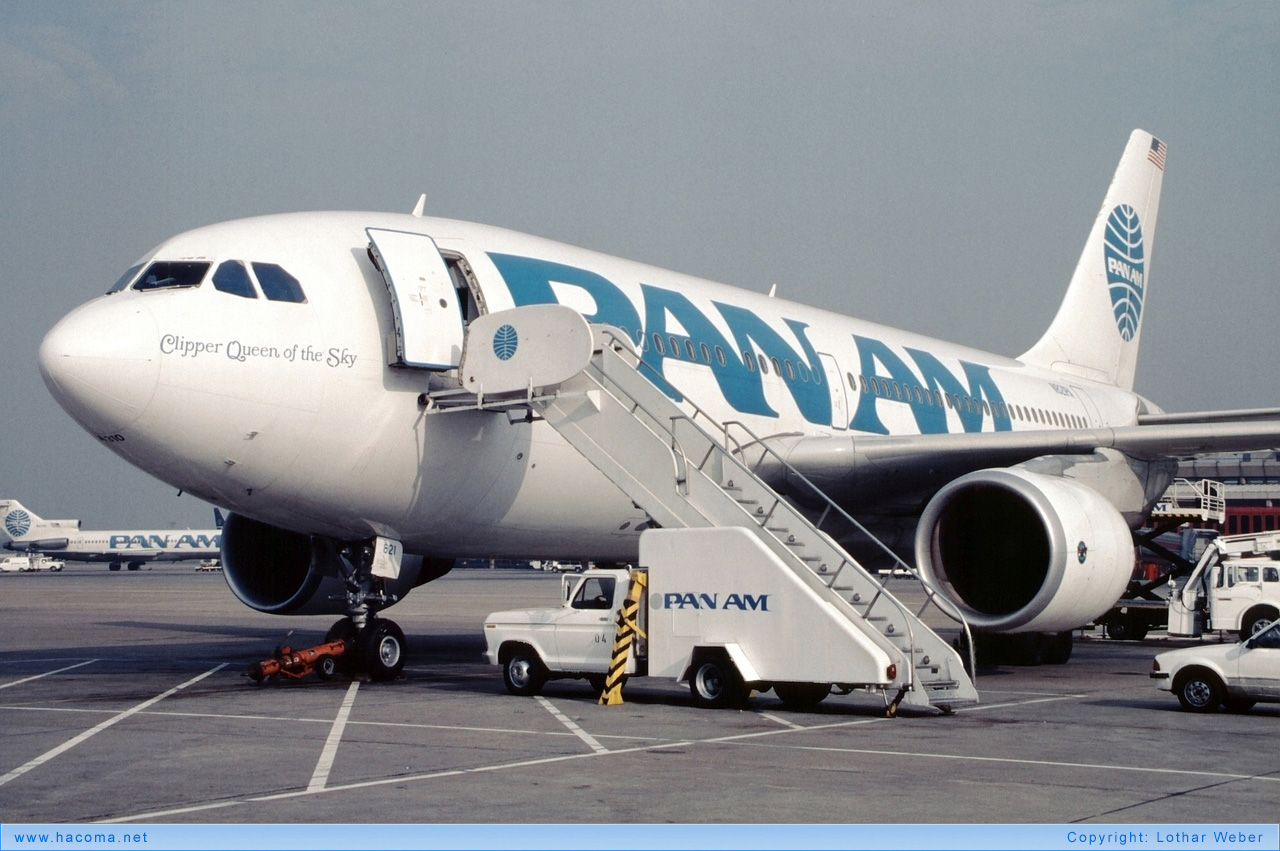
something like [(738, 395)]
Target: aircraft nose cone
[(101, 363)]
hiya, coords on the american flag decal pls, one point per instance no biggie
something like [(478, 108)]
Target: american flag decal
[(1156, 154)]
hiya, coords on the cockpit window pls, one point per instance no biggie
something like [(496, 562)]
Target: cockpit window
[(231, 277), (169, 274), (126, 279), (277, 284)]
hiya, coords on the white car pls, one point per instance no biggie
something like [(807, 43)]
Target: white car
[(1234, 675)]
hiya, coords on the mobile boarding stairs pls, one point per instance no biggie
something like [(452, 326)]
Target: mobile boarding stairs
[(687, 471)]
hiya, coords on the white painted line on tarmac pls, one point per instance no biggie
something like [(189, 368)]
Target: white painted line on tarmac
[(783, 721), (574, 728), (47, 673), (320, 776), (1042, 763), (95, 730)]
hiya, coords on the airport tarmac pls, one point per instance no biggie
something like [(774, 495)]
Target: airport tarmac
[(123, 698)]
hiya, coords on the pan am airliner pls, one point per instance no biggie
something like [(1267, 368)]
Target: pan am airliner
[(276, 366), (32, 534)]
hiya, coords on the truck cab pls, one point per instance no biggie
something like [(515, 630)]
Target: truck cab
[(1235, 587), (572, 641)]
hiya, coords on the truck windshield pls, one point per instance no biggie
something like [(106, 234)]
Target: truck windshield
[(596, 592)]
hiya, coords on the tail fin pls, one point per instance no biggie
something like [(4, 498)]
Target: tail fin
[(20, 522), (1095, 334)]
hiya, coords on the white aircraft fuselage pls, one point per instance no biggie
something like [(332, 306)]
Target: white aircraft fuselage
[(277, 367), (290, 413)]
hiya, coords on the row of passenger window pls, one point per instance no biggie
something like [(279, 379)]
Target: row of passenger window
[(923, 396), (231, 276), (702, 353)]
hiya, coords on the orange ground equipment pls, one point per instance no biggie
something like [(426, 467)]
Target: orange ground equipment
[(296, 664)]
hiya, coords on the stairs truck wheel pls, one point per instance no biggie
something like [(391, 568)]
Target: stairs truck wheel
[(522, 671), (380, 649), (716, 684), (801, 695)]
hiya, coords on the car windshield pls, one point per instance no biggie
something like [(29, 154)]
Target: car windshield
[(1268, 638)]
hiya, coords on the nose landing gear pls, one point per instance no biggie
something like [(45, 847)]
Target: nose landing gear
[(360, 644)]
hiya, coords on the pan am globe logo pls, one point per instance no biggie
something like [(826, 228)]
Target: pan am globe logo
[(505, 341), (17, 522), (1126, 276)]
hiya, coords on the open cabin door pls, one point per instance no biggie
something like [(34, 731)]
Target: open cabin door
[(428, 319)]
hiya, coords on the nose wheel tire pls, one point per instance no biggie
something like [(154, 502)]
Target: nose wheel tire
[(380, 649)]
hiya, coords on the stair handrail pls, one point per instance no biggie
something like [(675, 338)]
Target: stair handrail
[(623, 343)]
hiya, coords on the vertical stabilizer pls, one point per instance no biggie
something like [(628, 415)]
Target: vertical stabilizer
[(1095, 334), (17, 520), (20, 522)]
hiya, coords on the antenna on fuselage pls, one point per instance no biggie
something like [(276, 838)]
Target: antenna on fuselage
[(421, 205), (773, 288)]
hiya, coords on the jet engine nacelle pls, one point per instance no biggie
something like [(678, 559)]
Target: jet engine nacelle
[(280, 572), (1018, 551)]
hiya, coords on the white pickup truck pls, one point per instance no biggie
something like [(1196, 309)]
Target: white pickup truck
[(724, 630)]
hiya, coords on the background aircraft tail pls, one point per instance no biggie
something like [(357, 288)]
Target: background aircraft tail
[(1095, 334), (20, 522)]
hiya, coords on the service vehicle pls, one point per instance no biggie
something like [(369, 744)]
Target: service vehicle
[(1234, 587), (1233, 675), (30, 564), (710, 608)]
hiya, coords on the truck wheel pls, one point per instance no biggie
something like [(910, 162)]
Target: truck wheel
[(801, 695), (1198, 691), (1255, 622), (715, 684), (380, 649), (523, 672)]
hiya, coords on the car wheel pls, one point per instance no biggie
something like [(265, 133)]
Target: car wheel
[(523, 672), (1198, 691)]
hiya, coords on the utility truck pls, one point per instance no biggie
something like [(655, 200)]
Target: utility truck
[(30, 564), (1235, 586), (707, 607)]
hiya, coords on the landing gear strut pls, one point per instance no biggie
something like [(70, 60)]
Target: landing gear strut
[(377, 644), (361, 644)]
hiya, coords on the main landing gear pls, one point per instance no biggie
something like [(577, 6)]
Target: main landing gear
[(361, 644)]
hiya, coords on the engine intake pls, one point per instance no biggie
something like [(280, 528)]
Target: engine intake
[(1019, 551), (280, 572)]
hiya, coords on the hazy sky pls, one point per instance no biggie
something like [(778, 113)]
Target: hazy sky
[(935, 166)]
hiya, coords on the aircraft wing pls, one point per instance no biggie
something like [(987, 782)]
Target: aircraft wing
[(897, 473)]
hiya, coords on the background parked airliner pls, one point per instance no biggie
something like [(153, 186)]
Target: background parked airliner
[(276, 366), (28, 532)]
